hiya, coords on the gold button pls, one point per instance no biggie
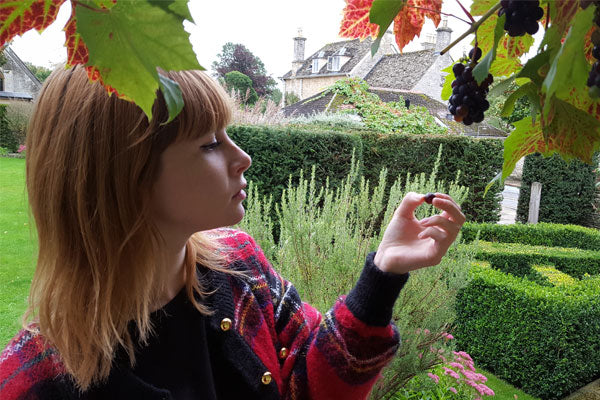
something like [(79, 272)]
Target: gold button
[(225, 324), (266, 378), (283, 353)]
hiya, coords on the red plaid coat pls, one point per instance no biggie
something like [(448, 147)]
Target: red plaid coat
[(282, 347)]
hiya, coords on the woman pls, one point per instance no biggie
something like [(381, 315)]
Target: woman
[(140, 293)]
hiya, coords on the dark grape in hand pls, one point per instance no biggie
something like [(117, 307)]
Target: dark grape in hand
[(429, 198)]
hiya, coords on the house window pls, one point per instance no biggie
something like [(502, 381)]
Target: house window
[(333, 63), (315, 66), (1, 84)]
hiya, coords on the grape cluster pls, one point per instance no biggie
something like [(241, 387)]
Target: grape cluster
[(593, 81), (522, 16), (468, 102)]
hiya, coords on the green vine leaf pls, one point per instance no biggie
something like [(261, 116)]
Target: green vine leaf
[(173, 96), (481, 70), (447, 87), (128, 42), (383, 13), (480, 7), (531, 91), (569, 66)]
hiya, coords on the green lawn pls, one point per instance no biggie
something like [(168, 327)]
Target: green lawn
[(502, 389), (17, 247)]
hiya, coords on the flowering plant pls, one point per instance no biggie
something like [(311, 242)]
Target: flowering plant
[(455, 378), (22, 148)]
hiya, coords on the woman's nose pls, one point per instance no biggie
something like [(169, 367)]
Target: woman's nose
[(243, 161)]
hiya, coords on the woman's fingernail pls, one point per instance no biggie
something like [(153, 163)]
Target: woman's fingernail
[(425, 220)]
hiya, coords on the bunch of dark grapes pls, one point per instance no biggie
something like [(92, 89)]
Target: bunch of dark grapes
[(522, 16), (593, 81), (468, 102)]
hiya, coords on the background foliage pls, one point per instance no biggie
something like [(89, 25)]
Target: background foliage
[(568, 190)]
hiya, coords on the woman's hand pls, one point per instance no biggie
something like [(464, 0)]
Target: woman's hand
[(410, 244)]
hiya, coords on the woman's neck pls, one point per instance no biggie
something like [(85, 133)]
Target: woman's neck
[(175, 279)]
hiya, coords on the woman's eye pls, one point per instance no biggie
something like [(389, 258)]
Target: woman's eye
[(211, 146)]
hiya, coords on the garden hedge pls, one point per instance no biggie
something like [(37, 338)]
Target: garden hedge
[(540, 234), (278, 152), (545, 340), (568, 190), (517, 259), (7, 139)]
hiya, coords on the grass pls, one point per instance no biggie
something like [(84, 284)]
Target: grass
[(18, 247), (502, 389)]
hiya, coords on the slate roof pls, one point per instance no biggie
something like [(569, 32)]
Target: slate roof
[(401, 71), (15, 95), (355, 49)]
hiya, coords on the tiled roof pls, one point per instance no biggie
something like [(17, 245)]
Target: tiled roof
[(401, 71), (355, 49)]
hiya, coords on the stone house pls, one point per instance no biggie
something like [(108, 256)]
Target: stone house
[(417, 71), (17, 82)]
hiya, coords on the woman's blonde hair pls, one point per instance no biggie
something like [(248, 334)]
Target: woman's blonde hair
[(91, 163)]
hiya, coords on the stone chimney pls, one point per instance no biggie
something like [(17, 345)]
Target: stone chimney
[(443, 35), (298, 52)]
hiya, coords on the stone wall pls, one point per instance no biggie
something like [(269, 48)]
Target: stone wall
[(17, 77), (306, 87)]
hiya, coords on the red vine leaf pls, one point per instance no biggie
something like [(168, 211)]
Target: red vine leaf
[(588, 46), (18, 17), (409, 21), (516, 46), (355, 23)]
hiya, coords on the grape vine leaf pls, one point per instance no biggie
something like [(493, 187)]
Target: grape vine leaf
[(409, 21), (588, 46), (447, 87), (573, 133), (531, 91), (383, 13), (531, 69), (173, 96), (480, 7), (19, 17), (481, 70), (355, 22), (129, 41), (517, 46), (564, 12), (569, 65)]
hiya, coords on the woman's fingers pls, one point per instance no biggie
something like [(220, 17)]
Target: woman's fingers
[(447, 204), (443, 222), (435, 233)]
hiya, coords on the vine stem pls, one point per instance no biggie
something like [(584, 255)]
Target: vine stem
[(441, 13), (473, 28), (466, 11), (80, 4)]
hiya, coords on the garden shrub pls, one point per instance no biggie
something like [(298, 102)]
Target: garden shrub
[(479, 160), (278, 152), (567, 190), (7, 138), (544, 340), (517, 259), (540, 234)]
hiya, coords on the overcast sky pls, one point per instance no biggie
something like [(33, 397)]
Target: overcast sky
[(265, 27)]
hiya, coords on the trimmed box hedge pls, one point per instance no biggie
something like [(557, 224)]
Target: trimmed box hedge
[(541, 234), (517, 259), (568, 190), (544, 340), (279, 151)]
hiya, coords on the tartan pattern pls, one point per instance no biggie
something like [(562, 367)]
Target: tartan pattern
[(329, 356)]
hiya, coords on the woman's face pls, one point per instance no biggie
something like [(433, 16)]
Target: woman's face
[(199, 186)]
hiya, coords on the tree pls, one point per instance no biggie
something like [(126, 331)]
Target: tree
[(236, 57), (242, 84), (40, 72)]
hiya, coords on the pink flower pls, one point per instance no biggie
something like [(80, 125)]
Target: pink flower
[(452, 390), (420, 355), (426, 331), (451, 373), (22, 148), (457, 365), (434, 377), (447, 336)]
